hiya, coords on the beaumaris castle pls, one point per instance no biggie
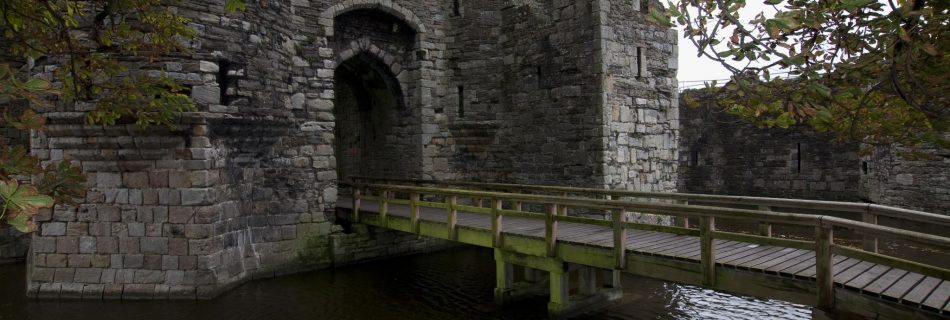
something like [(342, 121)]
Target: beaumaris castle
[(295, 96)]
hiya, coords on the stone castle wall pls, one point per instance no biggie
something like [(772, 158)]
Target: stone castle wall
[(246, 186), (723, 154)]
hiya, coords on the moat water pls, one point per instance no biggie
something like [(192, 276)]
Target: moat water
[(452, 284)]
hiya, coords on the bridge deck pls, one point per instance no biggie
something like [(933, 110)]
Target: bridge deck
[(876, 280)]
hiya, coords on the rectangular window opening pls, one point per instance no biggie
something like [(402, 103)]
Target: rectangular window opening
[(456, 8), (641, 63), (538, 74), (693, 158), (224, 67), (799, 158), (864, 167), (461, 101)]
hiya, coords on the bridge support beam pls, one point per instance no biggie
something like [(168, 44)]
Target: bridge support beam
[(590, 293), (506, 289)]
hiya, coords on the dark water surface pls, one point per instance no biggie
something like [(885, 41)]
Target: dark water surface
[(452, 284)]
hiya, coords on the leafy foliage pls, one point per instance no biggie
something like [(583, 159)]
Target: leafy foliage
[(101, 51), (876, 72)]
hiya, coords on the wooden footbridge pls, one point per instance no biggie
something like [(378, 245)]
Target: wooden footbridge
[(834, 263)]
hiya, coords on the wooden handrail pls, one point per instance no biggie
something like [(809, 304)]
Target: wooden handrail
[(852, 207), (555, 205)]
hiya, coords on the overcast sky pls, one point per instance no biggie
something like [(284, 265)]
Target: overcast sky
[(692, 68)]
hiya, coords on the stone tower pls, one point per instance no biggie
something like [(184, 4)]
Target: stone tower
[(294, 95)]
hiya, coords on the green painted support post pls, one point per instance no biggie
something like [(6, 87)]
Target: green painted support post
[(869, 242), (496, 227), (620, 238), (560, 290), (453, 216), (765, 228), (414, 212), (707, 250), (503, 279), (356, 204), (550, 230), (824, 267)]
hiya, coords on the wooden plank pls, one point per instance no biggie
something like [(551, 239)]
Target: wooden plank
[(764, 264), (771, 254), (793, 270), (812, 272), (902, 286), (743, 254), (778, 242), (938, 298), (884, 281), (867, 277), (894, 262), (650, 240), (922, 290), (739, 249), (844, 265), (686, 245), (852, 272), (657, 247)]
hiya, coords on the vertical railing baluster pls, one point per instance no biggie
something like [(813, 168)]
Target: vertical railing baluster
[(765, 228), (384, 207), (414, 211), (550, 230), (562, 210), (496, 227), (824, 272), (869, 242), (707, 249), (620, 237), (356, 203), (682, 222), (452, 202)]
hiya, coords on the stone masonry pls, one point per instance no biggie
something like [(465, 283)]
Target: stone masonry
[(722, 154), (294, 95)]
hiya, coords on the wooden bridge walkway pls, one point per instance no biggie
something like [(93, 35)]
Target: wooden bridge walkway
[(762, 266)]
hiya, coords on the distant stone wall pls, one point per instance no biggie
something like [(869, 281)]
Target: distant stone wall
[(909, 178), (722, 154)]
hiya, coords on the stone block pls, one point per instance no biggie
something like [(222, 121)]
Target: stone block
[(154, 245), (88, 275), (53, 229)]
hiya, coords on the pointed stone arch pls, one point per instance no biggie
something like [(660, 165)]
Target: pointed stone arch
[(366, 47), (387, 6)]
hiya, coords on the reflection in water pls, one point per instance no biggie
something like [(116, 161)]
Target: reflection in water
[(452, 284)]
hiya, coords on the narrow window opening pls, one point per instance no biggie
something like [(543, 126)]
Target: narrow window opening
[(693, 158), (538, 74), (641, 63), (456, 8), (461, 102), (864, 167), (224, 81), (798, 156)]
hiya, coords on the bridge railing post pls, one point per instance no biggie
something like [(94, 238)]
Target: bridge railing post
[(496, 227), (414, 211), (356, 203), (384, 207), (682, 222), (550, 230), (620, 237), (869, 242), (452, 202), (824, 266), (562, 209), (707, 250), (765, 228)]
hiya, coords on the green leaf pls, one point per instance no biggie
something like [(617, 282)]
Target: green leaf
[(823, 90), (773, 2), (234, 5), (21, 223), (853, 4), (23, 198)]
